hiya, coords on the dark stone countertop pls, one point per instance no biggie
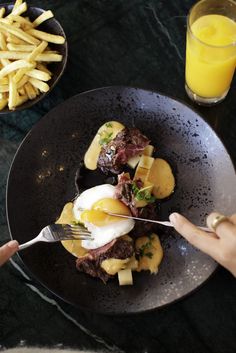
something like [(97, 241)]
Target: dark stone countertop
[(137, 43)]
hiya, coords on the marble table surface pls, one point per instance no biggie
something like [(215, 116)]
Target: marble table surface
[(138, 43)]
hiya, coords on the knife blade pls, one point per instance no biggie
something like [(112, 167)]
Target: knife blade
[(163, 223)]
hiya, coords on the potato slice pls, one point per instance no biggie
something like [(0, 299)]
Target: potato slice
[(125, 277), (141, 173), (151, 253), (133, 161), (146, 162), (148, 150), (162, 177), (108, 130)]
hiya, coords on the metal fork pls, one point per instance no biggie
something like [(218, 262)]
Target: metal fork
[(57, 232)]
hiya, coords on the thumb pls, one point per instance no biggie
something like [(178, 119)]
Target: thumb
[(7, 250)]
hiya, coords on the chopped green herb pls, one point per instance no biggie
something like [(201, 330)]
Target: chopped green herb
[(149, 255), (143, 248), (108, 124), (142, 194), (106, 137)]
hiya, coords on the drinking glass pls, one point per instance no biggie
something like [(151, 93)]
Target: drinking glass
[(210, 50)]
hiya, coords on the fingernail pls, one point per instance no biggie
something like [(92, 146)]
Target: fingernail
[(174, 218), (13, 244)]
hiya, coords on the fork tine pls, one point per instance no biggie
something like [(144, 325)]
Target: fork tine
[(75, 227), (76, 230), (71, 234)]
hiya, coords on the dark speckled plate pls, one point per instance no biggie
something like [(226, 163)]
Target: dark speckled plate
[(41, 181)]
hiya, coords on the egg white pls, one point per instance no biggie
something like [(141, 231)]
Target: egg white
[(87, 198), (104, 234)]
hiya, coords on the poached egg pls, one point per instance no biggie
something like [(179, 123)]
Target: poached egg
[(90, 208)]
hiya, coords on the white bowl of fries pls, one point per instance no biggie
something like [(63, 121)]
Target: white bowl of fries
[(33, 55)]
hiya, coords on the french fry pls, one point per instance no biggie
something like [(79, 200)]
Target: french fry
[(22, 82), (51, 38), (3, 103), (49, 57), (12, 55), (4, 81), (42, 86), (3, 44), (19, 9), (2, 12), (13, 67), (19, 33), (16, 24), (40, 75), (21, 20), (6, 20), (5, 62), (37, 91), (43, 17), (13, 39), (20, 47), (25, 27), (30, 58), (4, 88), (30, 90), (17, 3), (20, 74), (21, 99), (13, 95), (21, 91), (40, 48), (42, 67)]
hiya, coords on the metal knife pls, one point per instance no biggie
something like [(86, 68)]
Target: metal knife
[(163, 223)]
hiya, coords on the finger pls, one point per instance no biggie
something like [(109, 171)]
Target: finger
[(224, 229), (7, 250), (197, 237)]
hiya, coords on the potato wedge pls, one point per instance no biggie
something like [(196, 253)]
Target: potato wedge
[(141, 173), (146, 162), (148, 150), (133, 161), (162, 177), (125, 277)]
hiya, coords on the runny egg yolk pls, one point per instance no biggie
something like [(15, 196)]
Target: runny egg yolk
[(98, 216)]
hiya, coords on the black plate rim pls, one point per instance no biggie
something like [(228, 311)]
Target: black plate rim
[(87, 309)]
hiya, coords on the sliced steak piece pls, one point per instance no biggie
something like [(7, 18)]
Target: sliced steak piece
[(142, 228), (128, 143), (125, 194), (90, 263)]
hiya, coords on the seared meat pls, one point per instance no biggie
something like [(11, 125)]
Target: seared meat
[(90, 263), (124, 193), (144, 228), (128, 143)]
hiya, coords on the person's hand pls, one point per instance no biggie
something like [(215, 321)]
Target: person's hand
[(220, 244), (7, 250)]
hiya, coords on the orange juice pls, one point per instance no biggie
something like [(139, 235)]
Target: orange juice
[(211, 55)]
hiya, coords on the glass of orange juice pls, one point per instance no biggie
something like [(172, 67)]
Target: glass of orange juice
[(210, 50)]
